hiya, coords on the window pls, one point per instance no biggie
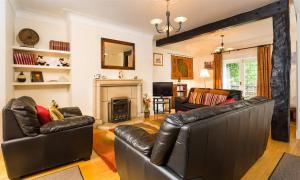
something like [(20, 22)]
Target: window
[(241, 74)]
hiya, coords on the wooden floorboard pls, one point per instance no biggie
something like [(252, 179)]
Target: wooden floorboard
[(98, 170)]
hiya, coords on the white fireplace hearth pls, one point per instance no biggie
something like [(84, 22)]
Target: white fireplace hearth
[(106, 89)]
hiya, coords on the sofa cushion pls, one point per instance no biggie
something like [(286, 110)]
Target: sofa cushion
[(137, 137), (219, 91), (165, 139), (67, 123), (213, 99), (43, 114), (26, 115)]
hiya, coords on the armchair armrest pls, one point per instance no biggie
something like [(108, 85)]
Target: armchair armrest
[(181, 99), (70, 111), (67, 123), (137, 137)]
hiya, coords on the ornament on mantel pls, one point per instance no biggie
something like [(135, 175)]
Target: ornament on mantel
[(121, 74)]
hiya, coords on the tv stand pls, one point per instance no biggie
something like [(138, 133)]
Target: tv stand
[(164, 102)]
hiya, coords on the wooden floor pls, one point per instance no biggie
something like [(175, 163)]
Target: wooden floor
[(98, 170)]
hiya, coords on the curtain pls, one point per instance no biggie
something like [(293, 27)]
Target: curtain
[(264, 68), (218, 58)]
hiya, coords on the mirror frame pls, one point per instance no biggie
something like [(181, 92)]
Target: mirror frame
[(103, 66)]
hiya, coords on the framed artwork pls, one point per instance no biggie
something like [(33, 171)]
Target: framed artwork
[(209, 65), (182, 67), (158, 59), (37, 76)]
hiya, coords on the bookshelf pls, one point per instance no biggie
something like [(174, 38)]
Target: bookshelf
[(40, 83), (35, 50), (56, 84), (179, 90)]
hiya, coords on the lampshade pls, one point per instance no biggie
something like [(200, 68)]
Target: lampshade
[(204, 73)]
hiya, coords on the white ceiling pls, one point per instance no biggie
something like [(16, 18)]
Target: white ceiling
[(136, 14), (247, 35)]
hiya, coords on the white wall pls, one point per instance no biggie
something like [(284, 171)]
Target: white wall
[(85, 36), (6, 36), (297, 7), (2, 58), (163, 73)]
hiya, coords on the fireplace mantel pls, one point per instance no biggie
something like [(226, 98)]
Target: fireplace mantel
[(105, 89)]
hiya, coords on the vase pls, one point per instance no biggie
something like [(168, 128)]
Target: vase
[(146, 114), (21, 77)]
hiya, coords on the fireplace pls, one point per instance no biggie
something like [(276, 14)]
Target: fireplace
[(120, 109)]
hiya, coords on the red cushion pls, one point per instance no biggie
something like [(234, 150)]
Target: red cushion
[(228, 101), (43, 114)]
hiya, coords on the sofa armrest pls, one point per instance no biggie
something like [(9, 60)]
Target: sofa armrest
[(70, 111), (67, 123), (181, 99), (137, 137), (18, 155)]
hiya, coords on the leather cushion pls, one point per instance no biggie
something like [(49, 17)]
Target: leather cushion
[(137, 137), (43, 114), (70, 111), (165, 139), (67, 123), (26, 115)]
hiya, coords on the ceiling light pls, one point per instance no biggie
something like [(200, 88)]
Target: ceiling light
[(168, 27), (180, 19), (156, 21)]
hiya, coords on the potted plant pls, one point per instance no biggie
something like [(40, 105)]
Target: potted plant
[(146, 102)]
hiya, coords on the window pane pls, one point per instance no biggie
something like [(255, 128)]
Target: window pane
[(233, 76), (250, 78)]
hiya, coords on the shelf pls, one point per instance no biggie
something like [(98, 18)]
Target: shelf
[(41, 50), (34, 67), (40, 83)]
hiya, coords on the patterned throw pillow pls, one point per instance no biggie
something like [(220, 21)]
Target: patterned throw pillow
[(193, 97), (200, 98), (55, 114), (213, 99)]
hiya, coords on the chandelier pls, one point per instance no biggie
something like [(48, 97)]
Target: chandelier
[(221, 49), (168, 27)]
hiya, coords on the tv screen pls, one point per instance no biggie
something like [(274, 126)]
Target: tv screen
[(162, 88)]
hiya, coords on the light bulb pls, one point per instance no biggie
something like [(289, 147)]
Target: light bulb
[(156, 21), (180, 19)]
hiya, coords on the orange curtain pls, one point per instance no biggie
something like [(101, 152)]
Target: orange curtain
[(218, 58), (264, 69)]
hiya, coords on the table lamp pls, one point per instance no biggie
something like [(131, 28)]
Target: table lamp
[(204, 74)]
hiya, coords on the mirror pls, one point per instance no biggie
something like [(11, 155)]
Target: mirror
[(117, 54)]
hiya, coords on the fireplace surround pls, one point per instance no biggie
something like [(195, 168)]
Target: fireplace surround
[(107, 89)]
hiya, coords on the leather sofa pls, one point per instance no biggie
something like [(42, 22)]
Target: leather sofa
[(220, 142), (182, 104), (57, 143)]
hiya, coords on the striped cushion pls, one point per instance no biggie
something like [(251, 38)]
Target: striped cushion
[(200, 98), (214, 99), (193, 97)]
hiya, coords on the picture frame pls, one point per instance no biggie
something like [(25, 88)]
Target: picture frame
[(37, 76), (209, 65), (158, 59), (182, 68)]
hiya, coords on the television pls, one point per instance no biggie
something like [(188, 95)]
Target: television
[(162, 89)]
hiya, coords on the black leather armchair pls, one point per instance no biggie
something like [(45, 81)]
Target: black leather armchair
[(58, 142), (220, 142)]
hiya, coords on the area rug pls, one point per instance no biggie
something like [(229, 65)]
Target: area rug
[(72, 173), (288, 168), (103, 140)]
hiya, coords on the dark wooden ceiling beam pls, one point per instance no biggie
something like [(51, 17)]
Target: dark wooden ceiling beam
[(254, 15)]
